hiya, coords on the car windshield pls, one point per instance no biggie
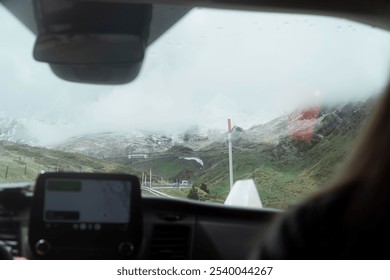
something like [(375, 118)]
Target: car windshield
[(298, 90)]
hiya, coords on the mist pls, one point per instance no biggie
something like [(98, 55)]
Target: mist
[(212, 65)]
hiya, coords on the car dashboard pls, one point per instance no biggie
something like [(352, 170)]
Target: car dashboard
[(169, 228)]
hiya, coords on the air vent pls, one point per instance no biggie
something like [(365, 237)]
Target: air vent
[(170, 242), (9, 235)]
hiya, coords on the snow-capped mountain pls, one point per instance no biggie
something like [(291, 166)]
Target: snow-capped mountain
[(115, 145), (198, 137), (14, 130), (308, 125), (33, 132), (310, 122), (297, 133), (120, 145)]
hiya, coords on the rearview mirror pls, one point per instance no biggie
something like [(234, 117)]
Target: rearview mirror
[(89, 48), (92, 42)]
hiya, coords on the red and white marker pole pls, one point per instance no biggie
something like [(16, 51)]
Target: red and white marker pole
[(230, 153)]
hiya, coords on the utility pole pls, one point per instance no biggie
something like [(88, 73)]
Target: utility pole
[(150, 179), (230, 153)]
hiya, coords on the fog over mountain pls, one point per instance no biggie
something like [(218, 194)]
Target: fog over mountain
[(310, 124), (202, 71)]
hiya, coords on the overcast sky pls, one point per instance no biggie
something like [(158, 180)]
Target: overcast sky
[(251, 67)]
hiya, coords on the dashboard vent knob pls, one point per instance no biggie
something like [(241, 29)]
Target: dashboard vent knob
[(42, 247)]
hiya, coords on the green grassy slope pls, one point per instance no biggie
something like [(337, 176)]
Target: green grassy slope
[(291, 170), (169, 167), (23, 163), (279, 183), (287, 172), (282, 179)]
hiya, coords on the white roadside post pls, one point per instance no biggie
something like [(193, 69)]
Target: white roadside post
[(230, 153)]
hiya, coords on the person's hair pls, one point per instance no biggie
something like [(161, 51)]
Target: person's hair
[(367, 169)]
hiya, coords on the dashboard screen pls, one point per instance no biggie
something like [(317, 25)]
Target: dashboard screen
[(86, 201)]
